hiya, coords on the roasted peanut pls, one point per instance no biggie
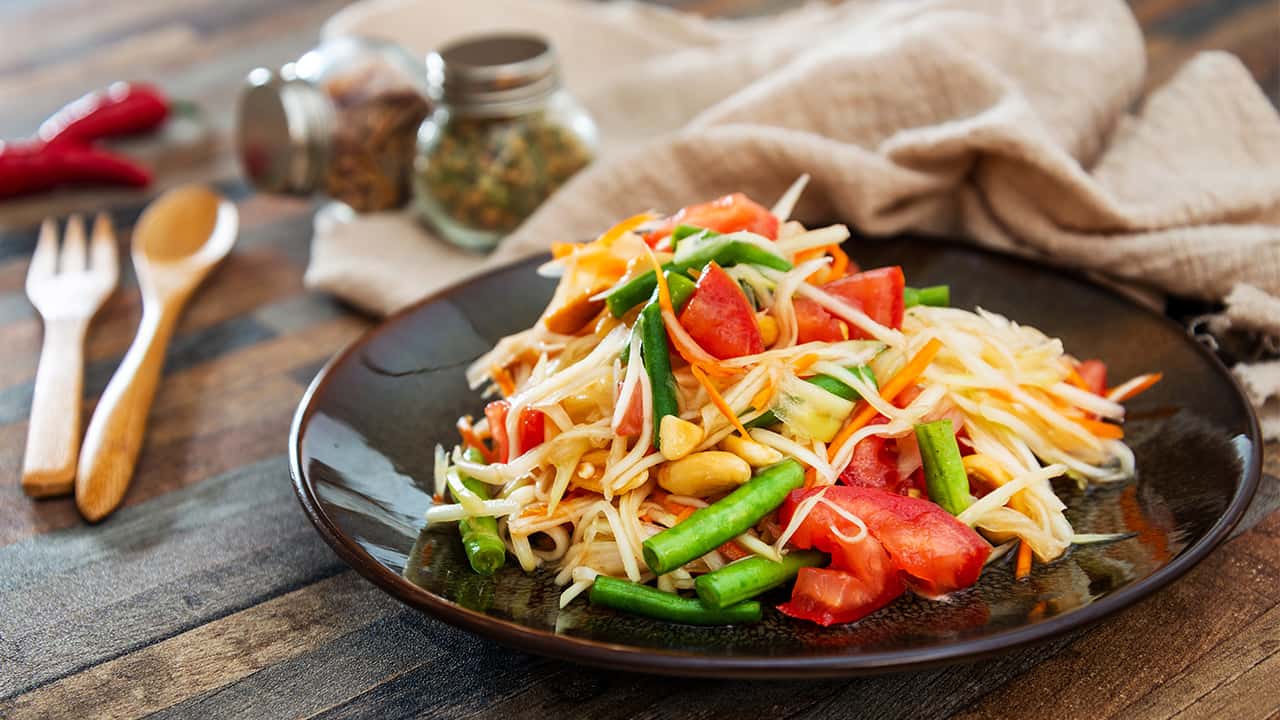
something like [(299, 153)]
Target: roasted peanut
[(704, 473), (677, 437), (756, 454)]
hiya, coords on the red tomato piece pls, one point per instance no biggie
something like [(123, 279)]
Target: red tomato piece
[(1094, 374), (878, 293), (531, 428), (815, 324), (730, 213), (935, 552), (862, 577), (720, 318), (875, 465), (633, 418), (828, 596)]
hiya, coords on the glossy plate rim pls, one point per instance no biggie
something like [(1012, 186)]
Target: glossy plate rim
[(686, 664)]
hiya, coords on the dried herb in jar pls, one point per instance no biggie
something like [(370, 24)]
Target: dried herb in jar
[(492, 173), (372, 148)]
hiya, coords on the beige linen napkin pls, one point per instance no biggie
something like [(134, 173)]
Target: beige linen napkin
[(1011, 122)]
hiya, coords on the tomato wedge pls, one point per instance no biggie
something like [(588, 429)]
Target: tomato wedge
[(633, 418), (934, 552), (828, 596), (875, 465), (878, 293), (531, 427), (815, 324), (730, 213), (1094, 374), (720, 318)]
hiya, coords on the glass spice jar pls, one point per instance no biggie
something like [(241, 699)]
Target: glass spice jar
[(503, 136), (341, 121)]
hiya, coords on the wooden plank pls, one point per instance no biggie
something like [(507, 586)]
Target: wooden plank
[(193, 436), (1110, 668), (349, 667), (161, 469), (1239, 677), (211, 656), (86, 595), (1250, 31), (187, 350), (246, 281)]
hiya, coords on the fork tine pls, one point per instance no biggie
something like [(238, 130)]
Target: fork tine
[(45, 259), (103, 258), (73, 249)]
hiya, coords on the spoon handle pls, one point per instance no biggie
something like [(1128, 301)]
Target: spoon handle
[(114, 437)]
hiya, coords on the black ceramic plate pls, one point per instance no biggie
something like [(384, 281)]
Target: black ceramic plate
[(361, 452)]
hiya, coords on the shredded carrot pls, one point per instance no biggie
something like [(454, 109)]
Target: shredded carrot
[(563, 249), (762, 399), (471, 439), (1104, 430), (623, 227), (534, 510), (1073, 377), (672, 507), (810, 477), (1147, 381), (718, 400), (804, 362), (822, 274), (837, 269), (839, 263), (899, 382), (504, 380), (680, 511), (733, 551), (664, 292), (1024, 560)]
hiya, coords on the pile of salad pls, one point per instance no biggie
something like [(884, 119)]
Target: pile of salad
[(720, 402)]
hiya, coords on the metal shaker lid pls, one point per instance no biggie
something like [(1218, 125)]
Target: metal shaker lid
[(485, 71), (283, 131)]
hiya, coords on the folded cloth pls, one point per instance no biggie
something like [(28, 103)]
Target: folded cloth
[(1010, 122)]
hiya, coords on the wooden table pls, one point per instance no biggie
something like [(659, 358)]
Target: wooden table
[(209, 594)]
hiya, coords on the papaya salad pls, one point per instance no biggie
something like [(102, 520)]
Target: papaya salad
[(720, 402)]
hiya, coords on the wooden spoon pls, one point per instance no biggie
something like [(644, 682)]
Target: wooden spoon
[(178, 240)]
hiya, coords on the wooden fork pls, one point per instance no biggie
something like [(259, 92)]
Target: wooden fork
[(67, 288)]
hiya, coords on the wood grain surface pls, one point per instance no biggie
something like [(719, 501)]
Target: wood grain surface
[(208, 595)]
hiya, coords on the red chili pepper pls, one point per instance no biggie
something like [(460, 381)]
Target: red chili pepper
[(29, 167), (121, 109), (64, 152)]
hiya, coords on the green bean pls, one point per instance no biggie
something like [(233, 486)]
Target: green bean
[(944, 474), (485, 549), (683, 231), (657, 363), (710, 527), (651, 602), (934, 295), (681, 288), (725, 253), (751, 576), (828, 383)]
